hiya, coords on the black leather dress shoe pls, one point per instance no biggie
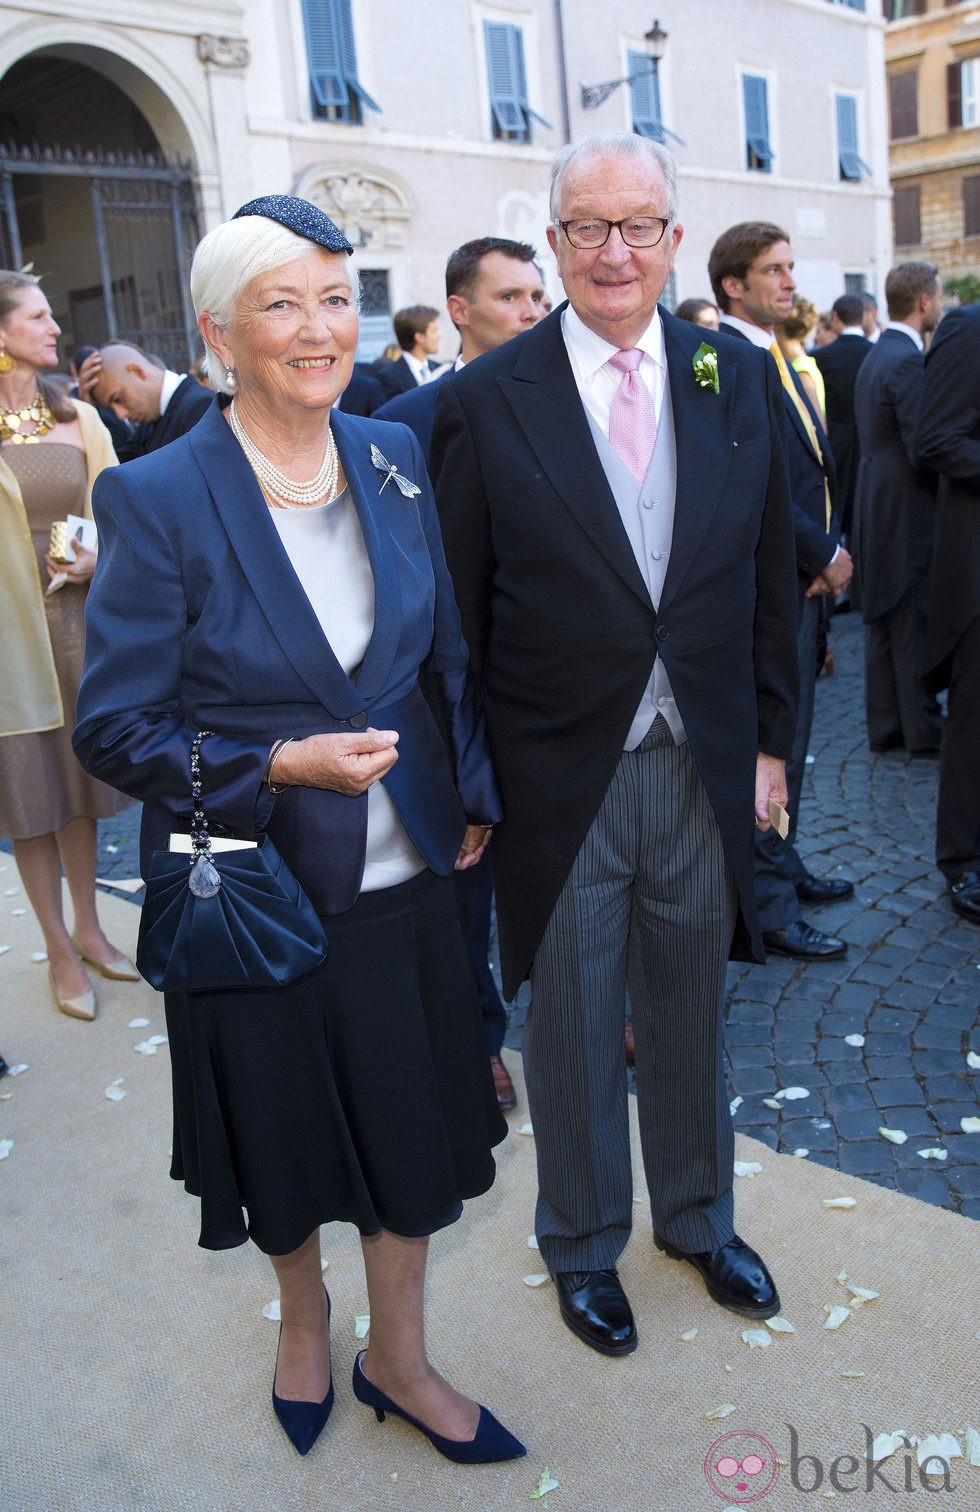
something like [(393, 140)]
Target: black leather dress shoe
[(964, 892), (594, 1306), (734, 1275), (802, 941), (811, 889)]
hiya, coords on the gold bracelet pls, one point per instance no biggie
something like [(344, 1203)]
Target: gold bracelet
[(273, 758)]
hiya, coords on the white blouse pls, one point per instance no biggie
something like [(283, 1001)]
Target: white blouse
[(326, 549)]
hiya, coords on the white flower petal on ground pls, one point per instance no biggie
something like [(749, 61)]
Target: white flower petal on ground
[(837, 1316), (779, 1324), (894, 1136), (273, 1311), (725, 1410), (362, 1325), (747, 1168), (18, 1070), (886, 1444), (18, 913), (857, 1040), (6, 1145), (838, 1202), (793, 1094), (862, 1292), (842, 1275), (4, 949), (937, 1446), (689, 1336), (157, 1039), (546, 1483), (735, 1104), (11, 892), (114, 1092), (756, 1338), (113, 850), (973, 1060), (5, 1096), (972, 1447), (852, 1375), (770, 1102), (532, 1241), (324, 1265), (933, 1152), (37, 956), (139, 1023), (537, 1278), (970, 1125), (145, 1047), (801, 1153), (527, 1129)]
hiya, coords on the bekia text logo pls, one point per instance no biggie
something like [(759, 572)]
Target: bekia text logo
[(741, 1467)]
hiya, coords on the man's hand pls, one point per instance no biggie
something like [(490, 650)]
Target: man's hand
[(348, 764), (770, 782), (836, 576), (88, 376), (475, 842)]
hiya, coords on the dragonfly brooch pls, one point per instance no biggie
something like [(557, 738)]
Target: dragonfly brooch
[(405, 485)]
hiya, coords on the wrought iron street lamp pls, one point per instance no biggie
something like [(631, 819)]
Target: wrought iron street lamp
[(594, 95)]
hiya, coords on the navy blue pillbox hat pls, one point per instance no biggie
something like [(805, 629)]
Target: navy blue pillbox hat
[(300, 216)]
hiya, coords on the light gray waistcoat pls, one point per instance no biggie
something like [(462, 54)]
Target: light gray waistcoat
[(647, 513)]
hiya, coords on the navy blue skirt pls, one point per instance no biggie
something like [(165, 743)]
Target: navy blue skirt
[(361, 1093)]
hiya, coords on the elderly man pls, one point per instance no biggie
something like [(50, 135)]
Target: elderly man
[(135, 386), (616, 518)]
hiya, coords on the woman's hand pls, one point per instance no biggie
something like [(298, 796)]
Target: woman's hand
[(475, 842), (347, 764), (78, 571)]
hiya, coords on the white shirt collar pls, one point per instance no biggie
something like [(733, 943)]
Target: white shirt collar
[(852, 331), (171, 383), (589, 352), (756, 334), (907, 330)]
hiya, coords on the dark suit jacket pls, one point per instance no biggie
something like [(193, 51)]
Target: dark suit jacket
[(948, 439), (840, 363), (558, 618), (895, 505), (196, 620), (815, 545), (398, 378), (363, 394), (416, 409), (188, 403)]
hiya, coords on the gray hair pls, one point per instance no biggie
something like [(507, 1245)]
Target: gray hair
[(615, 144), (229, 257)]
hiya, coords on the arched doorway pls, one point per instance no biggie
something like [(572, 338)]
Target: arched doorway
[(92, 203)]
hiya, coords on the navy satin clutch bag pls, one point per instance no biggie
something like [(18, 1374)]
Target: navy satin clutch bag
[(234, 919)]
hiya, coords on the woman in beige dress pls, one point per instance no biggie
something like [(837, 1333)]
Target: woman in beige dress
[(51, 451)]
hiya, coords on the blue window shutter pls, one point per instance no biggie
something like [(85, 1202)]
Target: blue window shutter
[(349, 55), (505, 68), (852, 165), (755, 96), (645, 95), (323, 50)]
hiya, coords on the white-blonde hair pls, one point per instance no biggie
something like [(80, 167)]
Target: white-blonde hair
[(229, 257)]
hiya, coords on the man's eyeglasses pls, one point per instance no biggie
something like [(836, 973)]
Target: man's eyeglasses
[(636, 230)]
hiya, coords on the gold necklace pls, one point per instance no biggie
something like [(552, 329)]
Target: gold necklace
[(12, 421), (281, 491)]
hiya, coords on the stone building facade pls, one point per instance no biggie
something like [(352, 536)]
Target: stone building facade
[(128, 127)]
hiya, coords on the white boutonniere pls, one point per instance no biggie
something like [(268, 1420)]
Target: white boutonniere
[(706, 367), (405, 485)]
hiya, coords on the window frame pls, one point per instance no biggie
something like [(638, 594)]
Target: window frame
[(851, 167), (752, 141), (510, 110), (331, 63)]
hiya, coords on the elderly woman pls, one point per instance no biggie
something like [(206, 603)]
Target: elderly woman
[(51, 451), (267, 579)]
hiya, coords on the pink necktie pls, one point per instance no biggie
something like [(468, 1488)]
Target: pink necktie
[(632, 421)]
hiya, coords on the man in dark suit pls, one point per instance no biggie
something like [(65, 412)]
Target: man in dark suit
[(364, 394), (840, 363), (751, 271), (493, 292), (948, 439), (419, 334), (895, 515), (614, 507), (137, 387)]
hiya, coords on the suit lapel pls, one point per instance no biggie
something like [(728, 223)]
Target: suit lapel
[(702, 429), (547, 407), (255, 541), (364, 482)]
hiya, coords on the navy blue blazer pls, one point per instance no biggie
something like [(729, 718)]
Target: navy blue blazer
[(196, 620), (415, 408)]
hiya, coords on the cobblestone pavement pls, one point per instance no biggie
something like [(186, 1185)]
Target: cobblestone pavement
[(910, 983)]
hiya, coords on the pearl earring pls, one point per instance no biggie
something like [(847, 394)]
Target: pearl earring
[(229, 377)]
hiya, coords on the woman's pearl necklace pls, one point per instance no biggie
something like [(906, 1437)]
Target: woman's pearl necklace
[(282, 492)]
